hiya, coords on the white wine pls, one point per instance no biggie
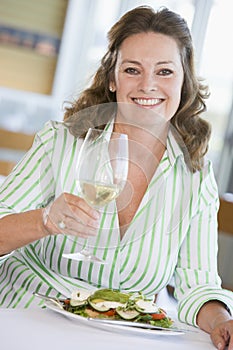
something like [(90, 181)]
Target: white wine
[(98, 194)]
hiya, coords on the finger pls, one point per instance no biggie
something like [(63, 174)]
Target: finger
[(77, 228), (83, 232), (81, 217), (230, 346), (75, 215), (219, 340), (74, 228), (76, 207), (78, 203)]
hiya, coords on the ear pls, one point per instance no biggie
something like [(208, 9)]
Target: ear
[(112, 86), (112, 89)]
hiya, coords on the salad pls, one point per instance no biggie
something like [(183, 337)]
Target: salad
[(115, 305)]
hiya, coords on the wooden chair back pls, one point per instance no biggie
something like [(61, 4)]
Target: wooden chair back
[(12, 141), (225, 216), (225, 230)]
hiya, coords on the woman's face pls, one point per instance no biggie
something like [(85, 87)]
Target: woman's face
[(149, 74)]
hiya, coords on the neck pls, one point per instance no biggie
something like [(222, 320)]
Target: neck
[(144, 140)]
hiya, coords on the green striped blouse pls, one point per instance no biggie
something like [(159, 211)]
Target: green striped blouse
[(173, 233)]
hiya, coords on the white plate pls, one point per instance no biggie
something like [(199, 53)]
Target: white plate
[(111, 327)]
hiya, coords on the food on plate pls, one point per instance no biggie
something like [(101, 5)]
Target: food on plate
[(115, 305)]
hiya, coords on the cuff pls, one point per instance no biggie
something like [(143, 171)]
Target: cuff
[(5, 257), (190, 306)]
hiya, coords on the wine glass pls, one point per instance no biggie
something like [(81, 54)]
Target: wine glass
[(101, 174)]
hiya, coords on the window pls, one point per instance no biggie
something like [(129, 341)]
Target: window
[(105, 13), (216, 67), (83, 43), (30, 35)]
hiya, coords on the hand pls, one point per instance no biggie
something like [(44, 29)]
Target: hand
[(222, 335), (214, 318), (71, 215)]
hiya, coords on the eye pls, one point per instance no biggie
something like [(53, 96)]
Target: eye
[(131, 70), (165, 72)]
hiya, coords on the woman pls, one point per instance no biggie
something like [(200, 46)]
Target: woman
[(167, 224)]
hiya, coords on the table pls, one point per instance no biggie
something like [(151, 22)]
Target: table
[(42, 329)]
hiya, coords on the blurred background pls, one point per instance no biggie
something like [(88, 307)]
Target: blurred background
[(49, 50)]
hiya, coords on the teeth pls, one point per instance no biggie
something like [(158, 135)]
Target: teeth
[(147, 102)]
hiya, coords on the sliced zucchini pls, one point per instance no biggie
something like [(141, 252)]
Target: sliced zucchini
[(127, 314), (146, 306), (79, 297), (104, 305), (99, 306), (74, 302)]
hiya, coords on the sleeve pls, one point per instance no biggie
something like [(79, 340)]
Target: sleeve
[(31, 184), (196, 275), (5, 257)]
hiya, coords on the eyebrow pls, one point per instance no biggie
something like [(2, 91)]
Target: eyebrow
[(138, 63)]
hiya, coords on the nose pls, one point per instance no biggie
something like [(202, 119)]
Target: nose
[(148, 82)]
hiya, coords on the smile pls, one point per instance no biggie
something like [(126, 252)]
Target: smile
[(147, 101)]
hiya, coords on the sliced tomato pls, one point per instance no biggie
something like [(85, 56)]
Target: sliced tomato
[(159, 316), (110, 312)]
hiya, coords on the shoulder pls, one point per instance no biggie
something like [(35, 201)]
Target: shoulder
[(207, 190), (52, 131), (51, 128), (207, 175)]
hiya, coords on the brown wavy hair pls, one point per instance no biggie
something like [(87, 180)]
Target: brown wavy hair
[(194, 131)]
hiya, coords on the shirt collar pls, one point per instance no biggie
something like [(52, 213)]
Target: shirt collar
[(176, 149)]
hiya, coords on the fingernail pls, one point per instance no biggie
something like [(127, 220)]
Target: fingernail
[(219, 346)]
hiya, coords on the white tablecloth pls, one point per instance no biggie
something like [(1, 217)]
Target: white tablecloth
[(42, 329)]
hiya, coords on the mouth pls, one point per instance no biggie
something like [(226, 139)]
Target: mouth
[(148, 102)]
